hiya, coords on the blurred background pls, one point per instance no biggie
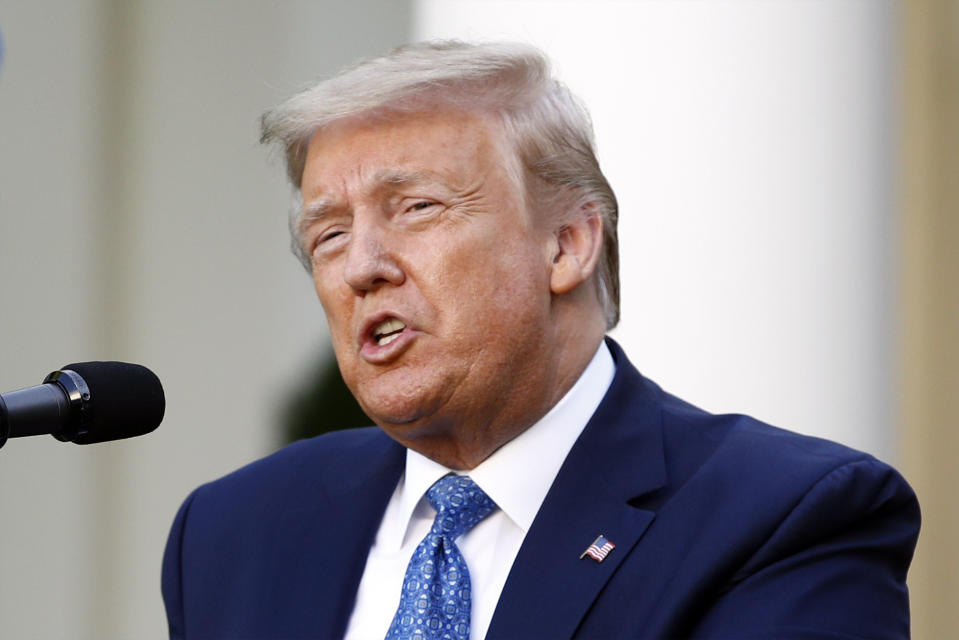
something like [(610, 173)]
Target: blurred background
[(787, 174)]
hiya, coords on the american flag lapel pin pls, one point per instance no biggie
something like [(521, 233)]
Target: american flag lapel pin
[(599, 549)]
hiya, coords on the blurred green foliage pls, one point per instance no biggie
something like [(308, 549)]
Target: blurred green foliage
[(322, 404)]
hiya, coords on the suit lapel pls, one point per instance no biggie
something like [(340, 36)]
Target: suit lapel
[(617, 458)]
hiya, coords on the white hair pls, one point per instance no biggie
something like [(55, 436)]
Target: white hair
[(550, 130)]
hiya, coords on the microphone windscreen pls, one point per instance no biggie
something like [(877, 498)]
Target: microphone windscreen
[(126, 400)]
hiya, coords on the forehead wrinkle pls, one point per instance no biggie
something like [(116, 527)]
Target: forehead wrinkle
[(324, 205), (371, 181), (404, 177), (400, 176)]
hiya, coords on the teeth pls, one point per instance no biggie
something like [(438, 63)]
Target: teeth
[(387, 339), (388, 331)]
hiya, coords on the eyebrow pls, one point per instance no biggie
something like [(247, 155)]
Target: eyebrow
[(317, 209), (310, 213), (399, 177), (322, 207)]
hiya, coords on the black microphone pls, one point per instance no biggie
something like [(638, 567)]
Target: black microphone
[(84, 403)]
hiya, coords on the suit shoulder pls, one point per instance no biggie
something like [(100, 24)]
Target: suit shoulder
[(695, 440), (301, 469), (326, 448), (770, 470), (745, 445)]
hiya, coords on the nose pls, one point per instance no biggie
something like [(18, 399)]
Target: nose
[(370, 261)]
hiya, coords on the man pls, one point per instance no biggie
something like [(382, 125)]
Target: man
[(462, 242)]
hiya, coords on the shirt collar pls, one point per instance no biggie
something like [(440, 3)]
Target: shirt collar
[(516, 483)]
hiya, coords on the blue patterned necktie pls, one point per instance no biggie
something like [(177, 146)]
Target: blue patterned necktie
[(435, 601)]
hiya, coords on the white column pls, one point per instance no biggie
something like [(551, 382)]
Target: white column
[(49, 180), (142, 221), (750, 146)]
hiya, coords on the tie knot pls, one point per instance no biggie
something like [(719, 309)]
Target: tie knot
[(460, 504)]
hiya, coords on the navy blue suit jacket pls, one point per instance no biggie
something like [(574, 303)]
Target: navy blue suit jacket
[(724, 528)]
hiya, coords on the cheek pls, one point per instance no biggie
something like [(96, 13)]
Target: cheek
[(337, 307), (504, 293)]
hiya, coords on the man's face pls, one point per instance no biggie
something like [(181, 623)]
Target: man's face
[(433, 275)]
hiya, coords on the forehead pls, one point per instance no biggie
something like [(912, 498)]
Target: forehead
[(447, 143)]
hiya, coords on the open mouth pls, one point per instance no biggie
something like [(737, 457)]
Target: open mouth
[(387, 331)]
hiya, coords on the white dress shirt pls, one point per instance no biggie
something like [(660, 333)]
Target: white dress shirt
[(517, 478)]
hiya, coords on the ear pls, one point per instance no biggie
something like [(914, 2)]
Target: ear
[(578, 246)]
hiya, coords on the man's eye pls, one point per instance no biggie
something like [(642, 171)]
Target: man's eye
[(423, 204), (324, 238)]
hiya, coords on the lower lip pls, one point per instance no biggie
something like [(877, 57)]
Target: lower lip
[(381, 354)]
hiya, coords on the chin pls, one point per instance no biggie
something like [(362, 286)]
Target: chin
[(401, 396), (407, 423), (395, 411)]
